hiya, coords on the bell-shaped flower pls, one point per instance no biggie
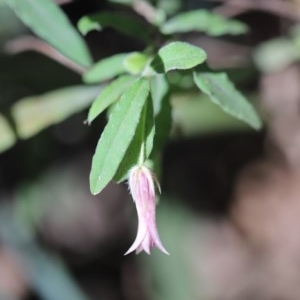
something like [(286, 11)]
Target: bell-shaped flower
[(141, 185)]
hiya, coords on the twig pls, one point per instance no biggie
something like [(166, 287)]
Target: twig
[(26, 43), (279, 7)]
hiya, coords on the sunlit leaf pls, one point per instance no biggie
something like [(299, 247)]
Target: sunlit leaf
[(118, 134), (177, 55), (222, 92), (205, 21), (124, 23), (50, 23), (106, 68), (108, 96), (35, 113)]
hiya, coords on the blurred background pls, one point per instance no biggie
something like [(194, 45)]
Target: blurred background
[(230, 207)]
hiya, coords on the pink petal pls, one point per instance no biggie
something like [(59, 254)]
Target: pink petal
[(142, 231)]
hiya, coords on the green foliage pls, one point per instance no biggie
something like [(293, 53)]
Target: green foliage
[(136, 62), (162, 110), (222, 92), (196, 115), (33, 114), (278, 53), (124, 23), (177, 55), (139, 94), (204, 21), (118, 134), (106, 68), (49, 22), (108, 96), (141, 145), (8, 137)]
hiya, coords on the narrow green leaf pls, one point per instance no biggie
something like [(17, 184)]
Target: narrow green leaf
[(33, 114), (50, 23), (126, 24), (136, 62), (108, 96), (222, 92), (177, 55), (143, 137), (205, 21), (106, 68), (118, 134)]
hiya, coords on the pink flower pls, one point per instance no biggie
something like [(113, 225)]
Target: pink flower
[(142, 188)]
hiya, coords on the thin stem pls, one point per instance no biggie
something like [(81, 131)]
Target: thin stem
[(26, 43)]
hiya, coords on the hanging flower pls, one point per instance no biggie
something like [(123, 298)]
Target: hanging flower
[(141, 185)]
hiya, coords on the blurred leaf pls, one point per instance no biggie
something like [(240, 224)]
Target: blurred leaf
[(56, 283), (195, 114), (222, 92), (106, 68), (276, 54), (33, 114), (49, 22), (118, 134), (205, 21), (159, 87), (162, 110), (124, 23), (45, 273), (178, 55), (144, 136), (136, 62), (7, 134), (108, 96), (169, 7), (10, 25), (294, 34)]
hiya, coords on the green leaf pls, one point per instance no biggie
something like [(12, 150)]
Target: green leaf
[(108, 96), (196, 115), (124, 23), (7, 134), (106, 68), (162, 110), (159, 88), (118, 134), (177, 55), (33, 114), (142, 141), (205, 21), (50, 23), (136, 62), (222, 92), (276, 54)]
